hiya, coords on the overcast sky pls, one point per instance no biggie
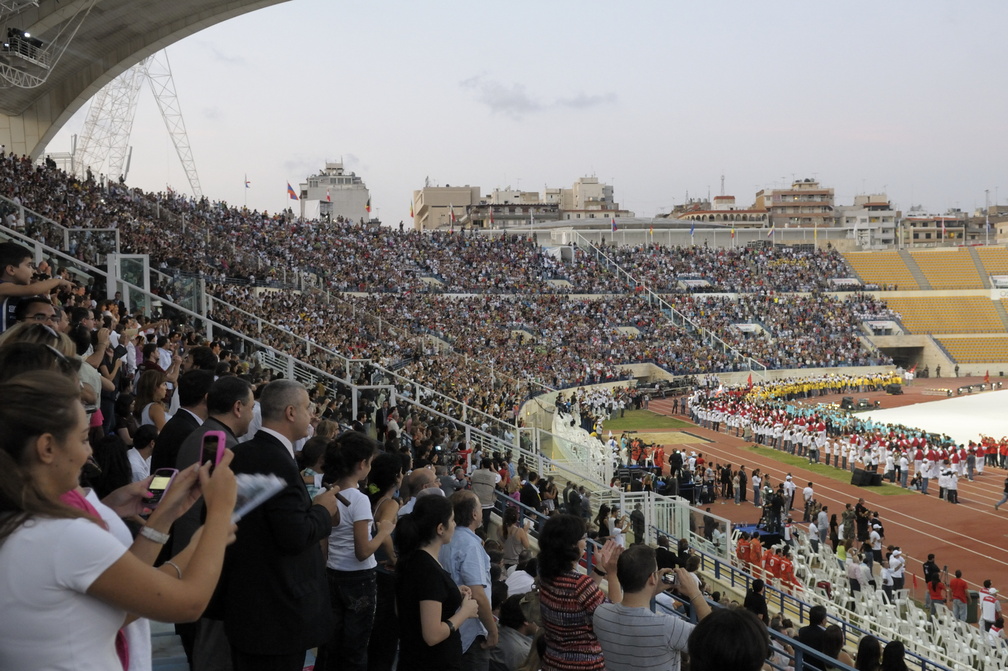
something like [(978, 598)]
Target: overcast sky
[(658, 98)]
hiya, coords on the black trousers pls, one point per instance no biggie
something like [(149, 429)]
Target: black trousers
[(245, 661)]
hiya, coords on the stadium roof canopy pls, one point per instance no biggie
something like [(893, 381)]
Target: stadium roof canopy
[(114, 36)]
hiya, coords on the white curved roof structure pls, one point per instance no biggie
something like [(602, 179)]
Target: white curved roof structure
[(114, 35)]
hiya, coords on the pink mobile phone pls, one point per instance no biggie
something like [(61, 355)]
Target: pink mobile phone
[(213, 448)]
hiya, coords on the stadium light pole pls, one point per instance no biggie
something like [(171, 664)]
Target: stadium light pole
[(986, 216)]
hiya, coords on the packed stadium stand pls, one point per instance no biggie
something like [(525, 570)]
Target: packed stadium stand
[(469, 327)]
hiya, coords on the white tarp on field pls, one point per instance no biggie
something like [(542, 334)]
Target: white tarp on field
[(964, 418)]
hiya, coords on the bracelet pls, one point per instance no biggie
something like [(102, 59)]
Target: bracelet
[(154, 536), (451, 627), (596, 571), (174, 566)]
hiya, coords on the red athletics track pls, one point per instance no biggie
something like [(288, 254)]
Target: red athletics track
[(970, 536)]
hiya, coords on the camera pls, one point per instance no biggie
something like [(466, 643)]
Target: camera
[(669, 578)]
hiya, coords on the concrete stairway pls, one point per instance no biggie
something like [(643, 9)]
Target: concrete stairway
[(914, 269), (984, 277)]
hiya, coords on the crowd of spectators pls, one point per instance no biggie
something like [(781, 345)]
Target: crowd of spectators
[(510, 319), (739, 270)]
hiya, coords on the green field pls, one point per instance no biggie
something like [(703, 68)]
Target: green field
[(826, 471), (643, 420)]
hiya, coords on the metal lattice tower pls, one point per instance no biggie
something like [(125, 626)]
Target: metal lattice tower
[(104, 141)]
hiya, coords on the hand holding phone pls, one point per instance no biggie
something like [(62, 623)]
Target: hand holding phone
[(212, 449), (162, 480)]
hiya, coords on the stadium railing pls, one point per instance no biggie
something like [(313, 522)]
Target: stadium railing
[(295, 369)]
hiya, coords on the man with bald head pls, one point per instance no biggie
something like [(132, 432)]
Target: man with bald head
[(421, 482), (275, 593)]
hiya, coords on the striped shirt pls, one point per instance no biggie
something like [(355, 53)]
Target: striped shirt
[(635, 639), (567, 603)]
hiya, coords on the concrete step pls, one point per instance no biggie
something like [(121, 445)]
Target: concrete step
[(984, 277), (915, 270)]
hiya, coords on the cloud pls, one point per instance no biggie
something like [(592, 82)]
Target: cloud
[(212, 113), (511, 100), (220, 57), (582, 101), (515, 101)]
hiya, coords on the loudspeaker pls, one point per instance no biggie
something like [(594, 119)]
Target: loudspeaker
[(863, 478), (894, 389)]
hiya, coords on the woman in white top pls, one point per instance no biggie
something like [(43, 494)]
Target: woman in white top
[(151, 391), (70, 586), (350, 567)]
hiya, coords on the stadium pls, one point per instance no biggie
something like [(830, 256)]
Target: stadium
[(583, 353)]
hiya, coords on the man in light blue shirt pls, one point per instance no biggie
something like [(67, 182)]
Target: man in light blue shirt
[(469, 565)]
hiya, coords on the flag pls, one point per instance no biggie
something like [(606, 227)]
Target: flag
[(290, 192), (614, 224), (328, 198), (491, 215), (451, 213), (912, 368), (770, 233), (749, 381), (692, 229), (987, 377), (412, 216), (367, 206), (247, 182), (652, 231), (943, 229), (733, 232)]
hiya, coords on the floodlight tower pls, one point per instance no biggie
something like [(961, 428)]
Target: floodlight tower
[(104, 141)]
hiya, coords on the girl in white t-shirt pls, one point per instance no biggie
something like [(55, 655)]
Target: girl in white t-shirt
[(350, 567), (71, 583)]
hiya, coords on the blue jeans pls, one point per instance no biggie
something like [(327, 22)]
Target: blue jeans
[(353, 596)]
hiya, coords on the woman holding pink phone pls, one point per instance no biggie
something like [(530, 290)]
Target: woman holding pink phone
[(69, 585)]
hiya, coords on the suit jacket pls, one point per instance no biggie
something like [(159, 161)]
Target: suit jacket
[(812, 636), (274, 593), (189, 452), (530, 497), (167, 444)]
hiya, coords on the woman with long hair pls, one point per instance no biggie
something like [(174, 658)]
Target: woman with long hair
[(894, 657), (431, 606), (833, 644), (152, 388), (71, 584), (568, 598), (383, 482), (602, 522), (350, 568), (514, 537), (869, 654), (936, 590)]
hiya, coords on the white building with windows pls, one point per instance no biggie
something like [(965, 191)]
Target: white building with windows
[(339, 194)]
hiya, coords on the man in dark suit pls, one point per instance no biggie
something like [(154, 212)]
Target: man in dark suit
[(812, 635), (529, 494), (274, 592), (192, 390), (229, 409)]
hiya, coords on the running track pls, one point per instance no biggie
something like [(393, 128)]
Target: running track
[(970, 536)]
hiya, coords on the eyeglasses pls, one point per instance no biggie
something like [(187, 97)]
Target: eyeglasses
[(43, 317)]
